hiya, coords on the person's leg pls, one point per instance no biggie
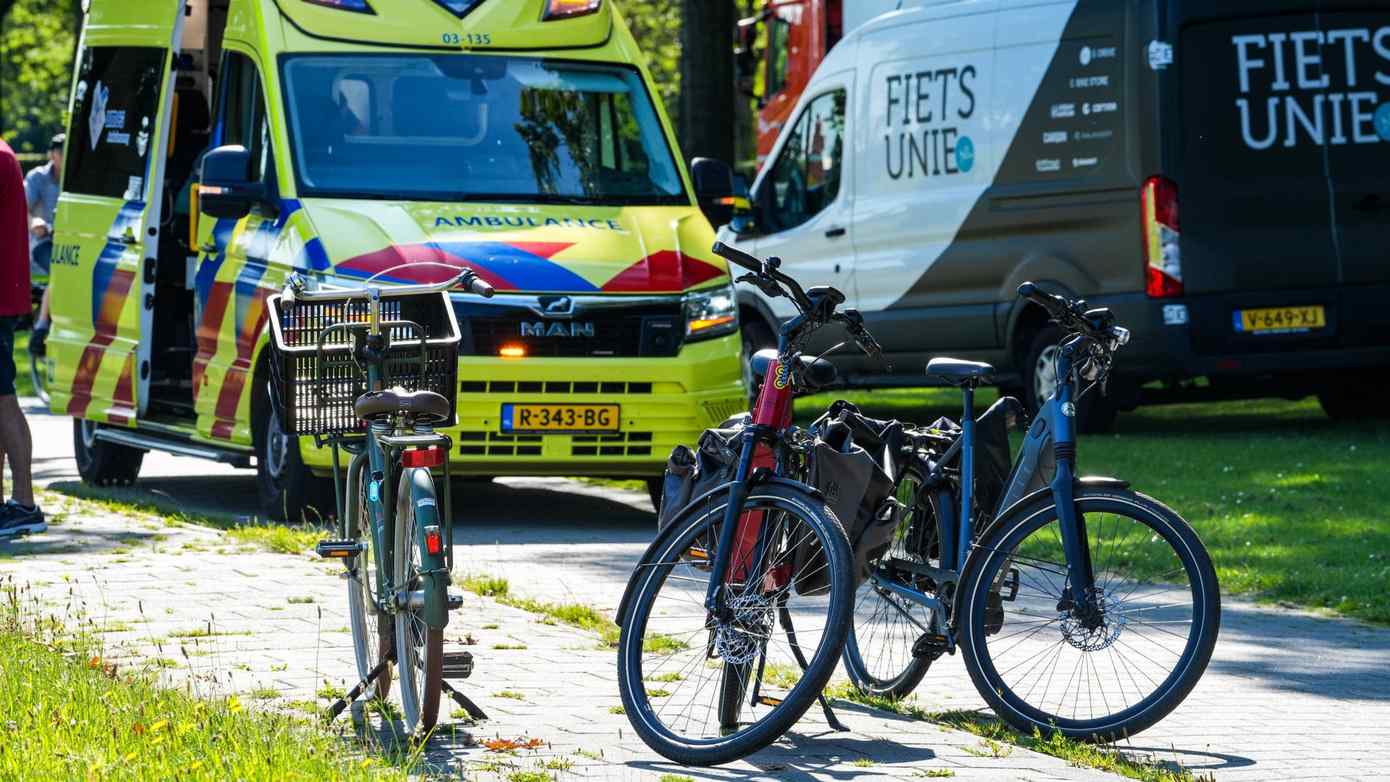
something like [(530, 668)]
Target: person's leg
[(15, 439)]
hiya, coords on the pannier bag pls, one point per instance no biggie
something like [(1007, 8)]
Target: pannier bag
[(854, 465), (690, 474), (993, 455)]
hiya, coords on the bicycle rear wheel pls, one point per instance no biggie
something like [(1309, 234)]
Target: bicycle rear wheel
[(372, 630), (419, 647), (1041, 662), (702, 690), (879, 651)]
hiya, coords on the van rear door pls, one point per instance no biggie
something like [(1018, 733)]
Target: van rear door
[(1282, 192), (108, 217)]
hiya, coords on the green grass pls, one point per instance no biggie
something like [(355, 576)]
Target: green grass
[(997, 740), (71, 715), (510, 694), (279, 538), (1289, 503), (21, 362)]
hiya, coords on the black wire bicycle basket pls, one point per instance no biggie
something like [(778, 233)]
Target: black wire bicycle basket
[(316, 376)]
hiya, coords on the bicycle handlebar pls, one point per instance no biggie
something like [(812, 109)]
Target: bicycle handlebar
[(466, 279), (738, 257)]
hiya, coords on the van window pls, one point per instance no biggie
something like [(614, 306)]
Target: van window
[(243, 109), (114, 114), (806, 177), (465, 127)]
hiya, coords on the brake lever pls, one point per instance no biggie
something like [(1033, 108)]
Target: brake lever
[(766, 285)]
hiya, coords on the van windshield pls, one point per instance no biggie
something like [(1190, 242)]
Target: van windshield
[(467, 127)]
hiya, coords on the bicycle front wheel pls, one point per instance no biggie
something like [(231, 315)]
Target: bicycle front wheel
[(419, 647), (1044, 660), (702, 690)]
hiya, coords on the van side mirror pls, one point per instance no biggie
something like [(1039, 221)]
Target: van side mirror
[(714, 189), (227, 190)]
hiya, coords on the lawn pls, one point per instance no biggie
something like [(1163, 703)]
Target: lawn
[(71, 714), (21, 363), (1290, 504)]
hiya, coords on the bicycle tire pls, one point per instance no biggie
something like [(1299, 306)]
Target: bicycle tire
[(894, 636), (788, 507), (373, 631), (1162, 531), (419, 647)]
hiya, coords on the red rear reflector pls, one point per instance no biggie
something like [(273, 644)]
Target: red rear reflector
[(567, 9), (433, 543), (422, 457)]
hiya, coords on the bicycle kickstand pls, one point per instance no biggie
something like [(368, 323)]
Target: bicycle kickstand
[(345, 701), (464, 703), (784, 617)]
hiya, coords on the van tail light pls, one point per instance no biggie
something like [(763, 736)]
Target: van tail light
[(1162, 254), (422, 457), (568, 9)]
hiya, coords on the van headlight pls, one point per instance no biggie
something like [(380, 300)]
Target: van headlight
[(710, 313)]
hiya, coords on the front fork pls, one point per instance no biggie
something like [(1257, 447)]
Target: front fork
[(1075, 544), (738, 494)]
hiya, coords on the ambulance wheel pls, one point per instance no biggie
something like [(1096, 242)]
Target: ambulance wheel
[(288, 490), (101, 463), (1351, 396), (1095, 412)]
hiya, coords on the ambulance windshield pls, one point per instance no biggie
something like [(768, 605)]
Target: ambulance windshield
[(467, 127)]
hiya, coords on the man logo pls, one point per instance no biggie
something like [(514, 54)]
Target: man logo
[(554, 306), (571, 330)]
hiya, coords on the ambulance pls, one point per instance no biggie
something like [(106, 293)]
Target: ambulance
[(216, 146)]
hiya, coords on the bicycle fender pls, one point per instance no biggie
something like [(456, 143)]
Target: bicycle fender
[(420, 484)]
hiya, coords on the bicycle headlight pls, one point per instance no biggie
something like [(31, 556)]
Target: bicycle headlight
[(710, 313)]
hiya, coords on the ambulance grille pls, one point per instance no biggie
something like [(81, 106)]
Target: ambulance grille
[(652, 330)]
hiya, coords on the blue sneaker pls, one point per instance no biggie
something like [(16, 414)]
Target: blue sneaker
[(16, 519)]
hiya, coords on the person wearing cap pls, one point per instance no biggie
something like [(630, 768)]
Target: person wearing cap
[(41, 189), (20, 514)]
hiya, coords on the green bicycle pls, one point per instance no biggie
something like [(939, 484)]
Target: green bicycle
[(371, 371)]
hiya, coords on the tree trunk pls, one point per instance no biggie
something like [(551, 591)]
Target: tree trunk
[(707, 118)]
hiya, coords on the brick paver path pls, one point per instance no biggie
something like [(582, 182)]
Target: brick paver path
[(279, 630)]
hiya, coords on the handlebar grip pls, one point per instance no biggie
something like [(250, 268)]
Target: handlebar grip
[(737, 257), (1056, 306), (477, 285)]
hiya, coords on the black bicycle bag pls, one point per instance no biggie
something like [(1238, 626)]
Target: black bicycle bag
[(691, 473)]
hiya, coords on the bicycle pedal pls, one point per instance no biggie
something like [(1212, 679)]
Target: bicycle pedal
[(768, 700), (930, 645), (458, 665), (455, 599), (338, 549)]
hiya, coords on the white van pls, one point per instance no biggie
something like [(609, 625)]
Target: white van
[(945, 152)]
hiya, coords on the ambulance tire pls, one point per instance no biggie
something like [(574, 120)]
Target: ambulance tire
[(1095, 412), (1353, 396), (101, 463), (288, 490)]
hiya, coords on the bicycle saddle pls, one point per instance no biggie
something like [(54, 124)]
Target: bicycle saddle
[(425, 407), (959, 372)]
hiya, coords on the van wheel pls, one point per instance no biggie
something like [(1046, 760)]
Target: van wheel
[(102, 463), (756, 336), (288, 490), (656, 487), (1354, 396), (1095, 412)]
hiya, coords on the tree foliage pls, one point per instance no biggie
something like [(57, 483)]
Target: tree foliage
[(37, 41), (656, 26)]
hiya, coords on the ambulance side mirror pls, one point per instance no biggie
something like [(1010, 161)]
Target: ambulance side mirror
[(714, 189), (227, 189)]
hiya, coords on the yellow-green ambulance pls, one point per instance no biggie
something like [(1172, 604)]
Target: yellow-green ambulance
[(396, 140)]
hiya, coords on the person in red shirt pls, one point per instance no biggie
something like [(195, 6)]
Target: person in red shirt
[(21, 514)]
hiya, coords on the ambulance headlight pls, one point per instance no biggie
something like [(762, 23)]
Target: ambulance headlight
[(711, 313)]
